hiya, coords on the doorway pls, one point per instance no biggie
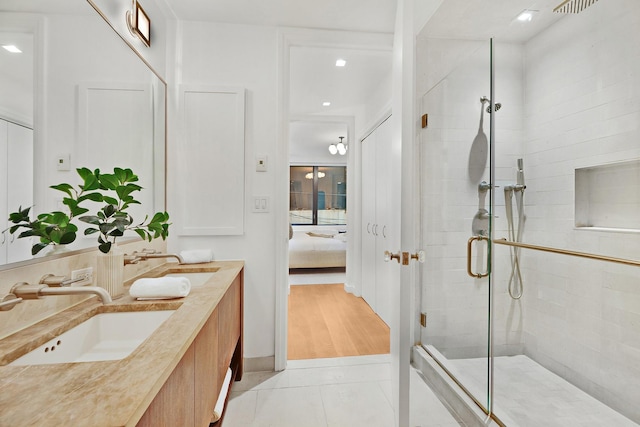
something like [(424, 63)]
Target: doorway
[(356, 93)]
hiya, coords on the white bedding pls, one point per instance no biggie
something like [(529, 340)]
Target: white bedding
[(306, 251)]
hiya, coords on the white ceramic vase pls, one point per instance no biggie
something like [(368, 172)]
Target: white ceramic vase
[(110, 271)]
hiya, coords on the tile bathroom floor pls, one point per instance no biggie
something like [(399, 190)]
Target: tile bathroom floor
[(339, 392)]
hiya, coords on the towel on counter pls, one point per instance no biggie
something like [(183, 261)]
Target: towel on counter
[(160, 288), (197, 256), (217, 410)]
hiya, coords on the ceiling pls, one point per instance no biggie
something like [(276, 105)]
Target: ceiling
[(354, 15), (485, 19)]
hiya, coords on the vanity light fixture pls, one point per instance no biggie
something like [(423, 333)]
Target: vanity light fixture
[(11, 48), (139, 23), (341, 63), (339, 148)]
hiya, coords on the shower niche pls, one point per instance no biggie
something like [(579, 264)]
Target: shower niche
[(607, 197)]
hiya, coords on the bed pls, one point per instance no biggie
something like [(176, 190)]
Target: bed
[(317, 247)]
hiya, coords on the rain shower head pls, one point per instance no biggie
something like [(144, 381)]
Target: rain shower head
[(573, 6)]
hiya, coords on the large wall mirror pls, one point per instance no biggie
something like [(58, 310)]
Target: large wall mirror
[(75, 96)]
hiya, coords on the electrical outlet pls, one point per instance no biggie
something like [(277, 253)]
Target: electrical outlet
[(85, 274)]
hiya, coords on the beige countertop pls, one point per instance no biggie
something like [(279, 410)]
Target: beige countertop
[(108, 393)]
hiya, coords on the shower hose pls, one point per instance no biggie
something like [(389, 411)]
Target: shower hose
[(516, 287)]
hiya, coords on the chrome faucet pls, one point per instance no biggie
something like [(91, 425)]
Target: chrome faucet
[(24, 291), (146, 254)]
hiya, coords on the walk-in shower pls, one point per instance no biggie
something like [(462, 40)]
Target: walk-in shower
[(545, 330)]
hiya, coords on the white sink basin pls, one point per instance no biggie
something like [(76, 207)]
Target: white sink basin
[(196, 278), (105, 336)]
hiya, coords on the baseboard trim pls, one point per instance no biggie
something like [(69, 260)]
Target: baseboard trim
[(259, 364)]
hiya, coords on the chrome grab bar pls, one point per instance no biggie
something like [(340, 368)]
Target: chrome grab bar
[(469, 245), (567, 252)]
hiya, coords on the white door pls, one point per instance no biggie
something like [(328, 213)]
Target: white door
[(387, 212), (368, 222)]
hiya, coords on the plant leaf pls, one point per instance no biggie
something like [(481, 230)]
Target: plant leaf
[(90, 219), (109, 210), (110, 200), (38, 247), (64, 187), (142, 233), (110, 182), (96, 197), (67, 237), (105, 247)]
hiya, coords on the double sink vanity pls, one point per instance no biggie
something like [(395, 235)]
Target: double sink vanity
[(129, 362)]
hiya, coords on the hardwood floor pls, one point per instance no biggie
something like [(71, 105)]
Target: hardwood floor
[(326, 321)]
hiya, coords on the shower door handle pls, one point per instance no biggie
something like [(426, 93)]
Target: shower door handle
[(469, 250)]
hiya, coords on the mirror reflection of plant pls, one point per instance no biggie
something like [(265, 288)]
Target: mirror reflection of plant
[(110, 221), (53, 228)]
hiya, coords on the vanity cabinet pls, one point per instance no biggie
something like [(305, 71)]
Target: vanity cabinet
[(190, 393)]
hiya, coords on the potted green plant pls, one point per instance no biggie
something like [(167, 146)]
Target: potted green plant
[(114, 191)]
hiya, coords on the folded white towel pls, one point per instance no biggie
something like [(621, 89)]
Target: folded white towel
[(217, 410), (196, 256), (160, 288)]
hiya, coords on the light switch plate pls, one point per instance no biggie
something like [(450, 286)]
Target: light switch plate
[(260, 204)]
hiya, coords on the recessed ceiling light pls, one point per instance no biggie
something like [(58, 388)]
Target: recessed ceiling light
[(526, 15), (341, 63), (326, 103), (11, 48)]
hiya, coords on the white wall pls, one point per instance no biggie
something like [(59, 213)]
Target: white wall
[(246, 56)]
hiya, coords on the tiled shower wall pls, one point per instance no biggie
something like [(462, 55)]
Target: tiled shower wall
[(582, 109)]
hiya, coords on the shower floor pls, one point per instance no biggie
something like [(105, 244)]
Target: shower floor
[(528, 395)]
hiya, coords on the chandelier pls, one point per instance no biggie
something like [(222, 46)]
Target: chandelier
[(339, 148)]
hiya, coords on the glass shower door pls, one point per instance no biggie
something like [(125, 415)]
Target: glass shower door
[(456, 218)]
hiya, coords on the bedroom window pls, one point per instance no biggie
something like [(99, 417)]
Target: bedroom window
[(318, 195)]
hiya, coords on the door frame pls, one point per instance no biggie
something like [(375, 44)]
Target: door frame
[(287, 39)]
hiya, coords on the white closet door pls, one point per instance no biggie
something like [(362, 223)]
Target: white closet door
[(19, 184), (385, 228), (4, 209), (369, 220)]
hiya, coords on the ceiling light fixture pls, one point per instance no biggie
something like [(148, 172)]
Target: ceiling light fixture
[(341, 63), (11, 48), (526, 15), (310, 175), (326, 104), (339, 148)]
